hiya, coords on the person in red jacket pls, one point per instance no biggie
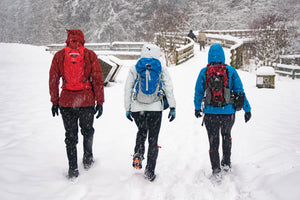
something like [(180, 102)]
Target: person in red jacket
[(81, 96)]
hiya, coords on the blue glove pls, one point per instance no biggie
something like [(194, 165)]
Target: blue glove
[(128, 115), (172, 114)]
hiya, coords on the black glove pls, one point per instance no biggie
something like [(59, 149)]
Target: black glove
[(239, 99), (198, 113), (172, 114), (54, 110), (99, 109), (247, 116)]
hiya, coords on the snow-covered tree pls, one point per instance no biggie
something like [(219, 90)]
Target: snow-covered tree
[(271, 37), (168, 18), (44, 22)]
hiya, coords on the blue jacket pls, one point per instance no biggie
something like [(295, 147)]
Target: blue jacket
[(216, 55)]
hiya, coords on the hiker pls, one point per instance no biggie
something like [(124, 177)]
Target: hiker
[(143, 102), (81, 97), (220, 88), (201, 39), (192, 35)]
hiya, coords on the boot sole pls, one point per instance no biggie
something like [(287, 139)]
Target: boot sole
[(137, 163)]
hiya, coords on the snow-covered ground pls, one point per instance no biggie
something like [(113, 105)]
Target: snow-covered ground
[(33, 162)]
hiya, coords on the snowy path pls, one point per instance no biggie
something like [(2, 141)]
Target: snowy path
[(265, 154)]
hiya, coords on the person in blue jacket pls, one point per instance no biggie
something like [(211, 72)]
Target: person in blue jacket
[(220, 119)]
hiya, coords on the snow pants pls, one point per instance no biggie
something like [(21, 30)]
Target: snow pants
[(214, 125), (71, 116), (202, 45), (148, 123)]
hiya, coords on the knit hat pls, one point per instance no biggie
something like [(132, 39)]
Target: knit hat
[(150, 51)]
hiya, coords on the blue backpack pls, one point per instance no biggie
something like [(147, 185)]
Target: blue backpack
[(148, 86)]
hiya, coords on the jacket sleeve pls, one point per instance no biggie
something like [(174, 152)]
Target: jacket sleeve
[(54, 79), (199, 89), (97, 79), (128, 89), (238, 87), (167, 86)]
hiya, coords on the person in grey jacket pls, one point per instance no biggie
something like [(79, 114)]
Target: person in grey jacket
[(147, 116)]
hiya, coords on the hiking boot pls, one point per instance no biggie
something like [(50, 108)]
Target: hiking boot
[(149, 175), (225, 162), (216, 176), (216, 171), (73, 173), (87, 162), (226, 166), (137, 161)]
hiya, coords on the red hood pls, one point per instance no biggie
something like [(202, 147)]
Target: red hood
[(77, 35)]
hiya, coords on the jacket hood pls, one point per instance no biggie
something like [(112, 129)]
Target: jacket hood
[(216, 54), (150, 51), (77, 35)]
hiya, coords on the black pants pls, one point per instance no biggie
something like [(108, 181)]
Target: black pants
[(71, 116), (148, 123), (214, 125)]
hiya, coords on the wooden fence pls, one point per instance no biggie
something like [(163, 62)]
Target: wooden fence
[(287, 70), (241, 49), (185, 52), (184, 46), (290, 59), (121, 50), (173, 43), (244, 33)]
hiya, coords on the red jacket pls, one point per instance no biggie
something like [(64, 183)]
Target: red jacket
[(83, 98)]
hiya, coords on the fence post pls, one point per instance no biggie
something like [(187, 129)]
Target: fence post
[(232, 57), (293, 73)]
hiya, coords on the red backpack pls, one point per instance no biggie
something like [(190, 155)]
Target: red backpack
[(217, 92), (74, 79)]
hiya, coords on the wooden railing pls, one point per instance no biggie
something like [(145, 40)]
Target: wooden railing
[(244, 33), (122, 50), (175, 43), (290, 59), (184, 46), (287, 70), (185, 52), (240, 49)]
